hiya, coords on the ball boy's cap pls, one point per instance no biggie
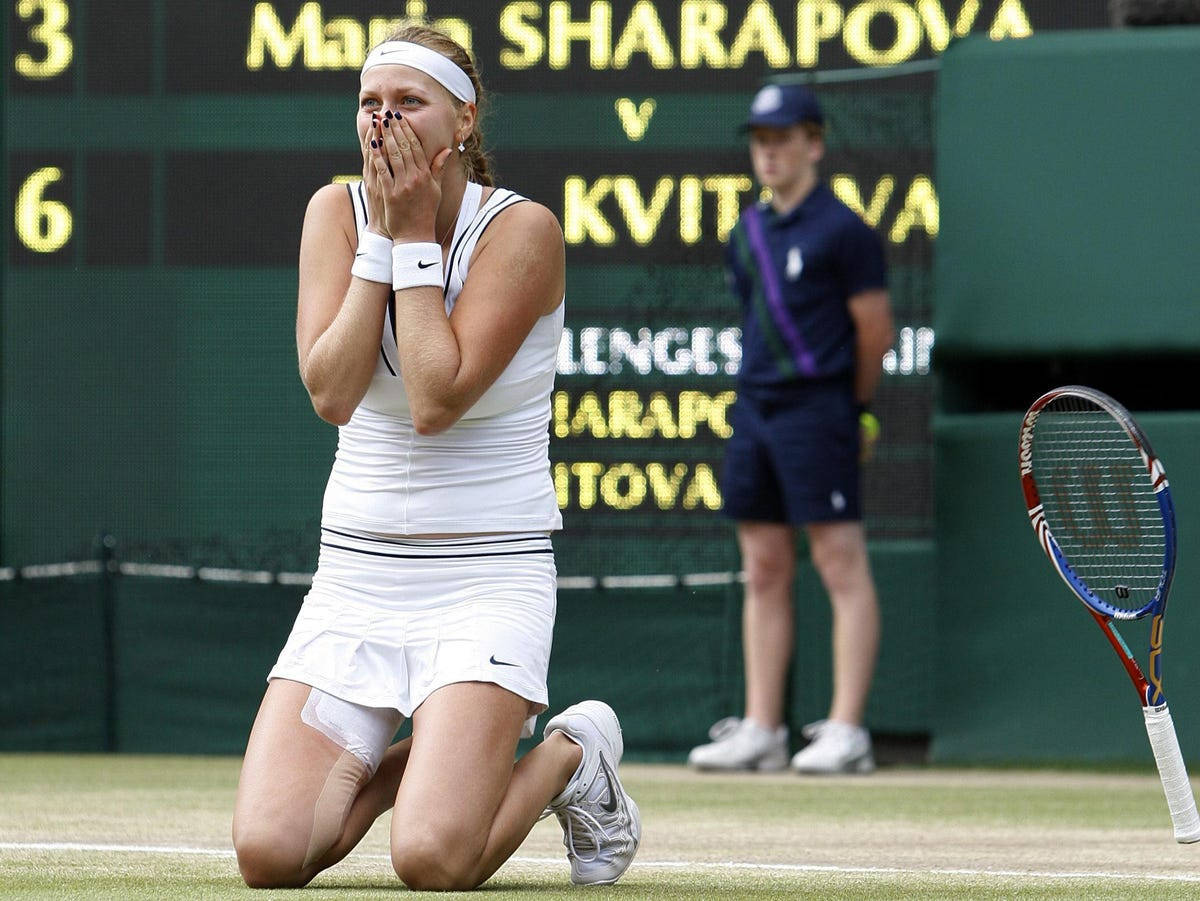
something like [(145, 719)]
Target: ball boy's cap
[(783, 105)]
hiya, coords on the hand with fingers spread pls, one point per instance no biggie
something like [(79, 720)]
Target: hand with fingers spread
[(409, 184)]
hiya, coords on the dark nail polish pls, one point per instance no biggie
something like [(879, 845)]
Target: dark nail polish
[(373, 143), (388, 114), (387, 124)]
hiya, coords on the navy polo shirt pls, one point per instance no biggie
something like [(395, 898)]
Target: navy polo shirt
[(793, 275)]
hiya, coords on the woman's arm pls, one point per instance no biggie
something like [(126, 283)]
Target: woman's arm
[(339, 318), (517, 274)]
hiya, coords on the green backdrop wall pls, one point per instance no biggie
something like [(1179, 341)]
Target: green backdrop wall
[(1067, 168), (188, 658), (158, 400), (1024, 674), (1070, 205), (148, 385)]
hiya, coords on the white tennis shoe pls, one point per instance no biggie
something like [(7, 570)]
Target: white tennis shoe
[(739, 744), (601, 824), (834, 747)]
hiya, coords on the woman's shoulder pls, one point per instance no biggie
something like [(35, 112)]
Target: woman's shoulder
[(513, 211), (330, 213), (335, 199)]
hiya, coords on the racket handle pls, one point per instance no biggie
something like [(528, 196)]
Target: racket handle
[(1180, 801)]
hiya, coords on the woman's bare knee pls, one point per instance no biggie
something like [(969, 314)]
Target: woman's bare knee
[(266, 859), (429, 863)]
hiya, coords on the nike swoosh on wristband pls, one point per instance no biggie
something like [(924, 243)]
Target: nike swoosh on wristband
[(361, 253), (496, 662), (423, 265), (611, 804)]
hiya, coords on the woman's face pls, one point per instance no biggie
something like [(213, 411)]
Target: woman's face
[(431, 111), (781, 157)]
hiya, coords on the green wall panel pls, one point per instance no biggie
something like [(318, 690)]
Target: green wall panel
[(53, 694), (1024, 674), (192, 661), (191, 658), (1070, 204)]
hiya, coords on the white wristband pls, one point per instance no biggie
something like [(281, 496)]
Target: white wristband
[(416, 265), (373, 259)]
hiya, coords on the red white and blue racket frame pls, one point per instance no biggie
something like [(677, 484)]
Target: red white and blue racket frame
[(1159, 725)]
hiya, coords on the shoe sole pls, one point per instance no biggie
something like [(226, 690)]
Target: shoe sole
[(861, 767), (760, 766)]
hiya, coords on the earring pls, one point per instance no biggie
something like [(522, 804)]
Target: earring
[(461, 146)]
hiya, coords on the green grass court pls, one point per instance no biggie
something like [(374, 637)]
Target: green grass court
[(141, 827)]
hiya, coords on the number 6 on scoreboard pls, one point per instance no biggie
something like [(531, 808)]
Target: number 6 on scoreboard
[(1100, 506)]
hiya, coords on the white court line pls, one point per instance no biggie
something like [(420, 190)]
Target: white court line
[(656, 864), (132, 849)]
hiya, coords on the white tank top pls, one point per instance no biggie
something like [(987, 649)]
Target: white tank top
[(490, 471)]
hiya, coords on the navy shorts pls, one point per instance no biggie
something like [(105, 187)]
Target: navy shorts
[(793, 460)]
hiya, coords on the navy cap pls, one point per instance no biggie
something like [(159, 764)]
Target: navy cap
[(783, 105)]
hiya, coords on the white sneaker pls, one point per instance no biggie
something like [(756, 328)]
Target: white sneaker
[(835, 747), (739, 744), (602, 827)]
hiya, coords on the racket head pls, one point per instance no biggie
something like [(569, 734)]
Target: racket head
[(1098, 501)]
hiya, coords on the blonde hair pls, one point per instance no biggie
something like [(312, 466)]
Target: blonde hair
[(475, 158)]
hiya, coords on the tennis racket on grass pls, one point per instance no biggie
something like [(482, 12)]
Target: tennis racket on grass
[(1100, 506)]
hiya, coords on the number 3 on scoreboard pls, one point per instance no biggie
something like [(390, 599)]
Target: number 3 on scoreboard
[(50, 33)]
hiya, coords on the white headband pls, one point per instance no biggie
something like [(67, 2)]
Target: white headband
[(443, 70)]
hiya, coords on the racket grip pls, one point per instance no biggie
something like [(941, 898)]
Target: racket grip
[(1173, 773)]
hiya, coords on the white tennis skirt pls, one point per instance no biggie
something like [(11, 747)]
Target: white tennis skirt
[(390, 620)]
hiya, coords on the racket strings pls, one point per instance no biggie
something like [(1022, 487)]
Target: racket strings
[(1098, 501)]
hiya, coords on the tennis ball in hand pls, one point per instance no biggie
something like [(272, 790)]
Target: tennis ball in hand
[(869, 425)]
